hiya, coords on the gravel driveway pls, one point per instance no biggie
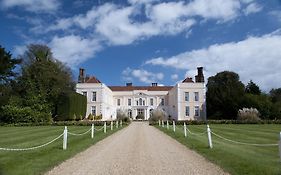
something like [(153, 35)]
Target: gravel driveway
[(137, 149)]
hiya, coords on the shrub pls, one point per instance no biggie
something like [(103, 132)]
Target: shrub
[(121, 114), (15, 114), (140, 116), (98, 117), (248, 114), (90, 117), (157, 114)]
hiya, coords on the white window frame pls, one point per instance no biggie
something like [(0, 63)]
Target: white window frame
[(196, 96), (187, 114), (162, 102), (151, 101), (118, 102), (94, 97), (94, 108), (84, 93), (186, 96), (129, 102), (198, 114)]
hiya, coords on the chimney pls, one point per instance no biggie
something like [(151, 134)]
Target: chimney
[(81, 77), (199, 78), (153, 84), (129, 84)]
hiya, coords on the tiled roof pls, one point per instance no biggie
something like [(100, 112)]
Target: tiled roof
[(188, 80), (92, 80), (148, 88)]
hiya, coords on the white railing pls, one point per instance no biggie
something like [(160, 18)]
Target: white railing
[(210, 133), (65, 137)]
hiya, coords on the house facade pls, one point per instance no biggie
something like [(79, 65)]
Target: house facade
[(184, 101)]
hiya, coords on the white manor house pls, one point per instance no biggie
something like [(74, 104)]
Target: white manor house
[(184, 101)]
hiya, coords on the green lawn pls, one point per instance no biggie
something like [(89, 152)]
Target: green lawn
[(234, 158), (41, 160)]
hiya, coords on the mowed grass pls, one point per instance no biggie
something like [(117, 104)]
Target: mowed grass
[(234, 158), (43, 159)]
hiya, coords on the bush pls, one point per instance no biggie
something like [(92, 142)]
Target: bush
[(140, 116), (98, 117), (90, 117), (121, 114), (15, 114), (157, 114), (248, 114)]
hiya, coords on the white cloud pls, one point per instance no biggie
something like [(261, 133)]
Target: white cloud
[(45, 6), (174, 77), (141, 75), (256, 58), (252, 8), (276, 14), (73, 49)]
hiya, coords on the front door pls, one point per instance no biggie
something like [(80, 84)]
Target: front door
[(140, 113)]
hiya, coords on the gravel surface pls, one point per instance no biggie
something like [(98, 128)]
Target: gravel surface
[(137, 149)]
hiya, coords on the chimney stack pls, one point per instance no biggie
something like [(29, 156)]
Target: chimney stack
[(81, 77), (199, 78), (129, 84), (153, 84)]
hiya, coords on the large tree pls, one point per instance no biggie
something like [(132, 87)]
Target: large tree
[(253, 88), (225, 93), (7, 74), (43, 78)]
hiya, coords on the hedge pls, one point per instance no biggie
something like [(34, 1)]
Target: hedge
[(71, 105)]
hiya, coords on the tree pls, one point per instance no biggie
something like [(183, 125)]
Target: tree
[(7, 74), (7, 66), (224, 96), (43, 79), (275, 95), (252, 88)]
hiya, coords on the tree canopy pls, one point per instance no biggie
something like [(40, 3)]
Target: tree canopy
[(253, 88), (224, 95)]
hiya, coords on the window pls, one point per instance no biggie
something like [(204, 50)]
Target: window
[(162, 102), (118, 102), (137, 102), (151, 102), (196, 111), (93, 110), (186, 96), (129, 113), (94, 98), (140, 101), (84, 93), (187, 111), (150, 112), (129, 102), (196, 96)]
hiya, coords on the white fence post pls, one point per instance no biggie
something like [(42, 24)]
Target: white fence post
[(209, 137), (174, 126), (280, 147), (104, 127), (92, 133), (167, 124), (117, 124), (184, 128), (121, 123), (64, 146), (159, 122), (111, 125), (163, 124)]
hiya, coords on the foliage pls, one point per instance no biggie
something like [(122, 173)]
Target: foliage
[(157, 114), (71, 104), (140, 116), (248, 114), (275, 95), (122, 114), (224, 96), (98, 117), (253, 88), (90, 117), (43, 77), (7, 65), (15, 114)]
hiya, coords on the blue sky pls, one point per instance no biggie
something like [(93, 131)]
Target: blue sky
[(145, 41)]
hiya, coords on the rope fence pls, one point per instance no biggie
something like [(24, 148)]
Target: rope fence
[(210, 133), (65, 137)]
